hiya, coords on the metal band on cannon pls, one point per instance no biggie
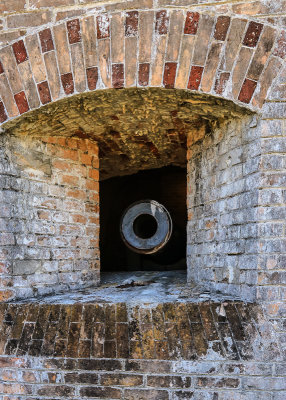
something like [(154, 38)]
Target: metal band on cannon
[(146, 227)]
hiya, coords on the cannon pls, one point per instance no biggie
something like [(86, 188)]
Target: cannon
[(146, 227)]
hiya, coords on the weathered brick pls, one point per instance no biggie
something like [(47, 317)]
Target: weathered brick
[(117, 39), (46, 40), (92, 77), (53, 74), (73, 28), (162, 22), (20, 51), (157, 64), (29, 19), (203, 35), (169, 74), (175, 33), (145, 35), (234, 39), (131, 23), (30, 87), (221, 27), (195, 77), (221, 82), (130, 61), (242, 64), (261, 54), (78, 67), (211, 67), (44, 92), (247, 91), (266, 80), (3, 115), (11, 70), (252, 34), (67, 82), (21, 102), (192, 22), (103, 26), (61, 42), (280, 49), (102, 392), (143, 74), (89, 41), (104, 61), (35, 58), (118, 76)]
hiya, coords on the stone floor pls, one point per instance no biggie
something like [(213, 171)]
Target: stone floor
[(137, 287)]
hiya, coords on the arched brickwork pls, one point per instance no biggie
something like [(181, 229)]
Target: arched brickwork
[(234, 58)]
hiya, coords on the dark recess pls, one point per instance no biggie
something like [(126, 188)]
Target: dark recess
[(167, 186)]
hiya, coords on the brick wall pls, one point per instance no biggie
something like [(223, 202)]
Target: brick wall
[(223, 176), (168, 351), (50, 217)]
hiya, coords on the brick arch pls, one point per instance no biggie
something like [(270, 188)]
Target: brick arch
[(233, 58)]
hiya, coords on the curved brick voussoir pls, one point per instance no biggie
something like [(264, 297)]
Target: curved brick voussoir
[(233, 58)]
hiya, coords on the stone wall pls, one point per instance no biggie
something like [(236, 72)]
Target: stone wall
[(49, 215)]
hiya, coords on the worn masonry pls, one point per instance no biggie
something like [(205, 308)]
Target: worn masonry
[(103, 105)]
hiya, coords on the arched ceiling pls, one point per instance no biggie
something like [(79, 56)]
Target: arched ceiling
[(135, 128)]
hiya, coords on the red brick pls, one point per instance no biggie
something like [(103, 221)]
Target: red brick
[(3, 115), (67, 82), (195, 77), (162, 21), (143, 74), (131, 23), (46, 40), (118, 76), (221, 82), (73, 28), (1, 68), (169, 74), (94, 174), (44, 92), (247, 91), (252, 34), (92, 77), (221, 27), (21, 102), (280, 49), (20, 51), (192, 22), (103, 26)]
